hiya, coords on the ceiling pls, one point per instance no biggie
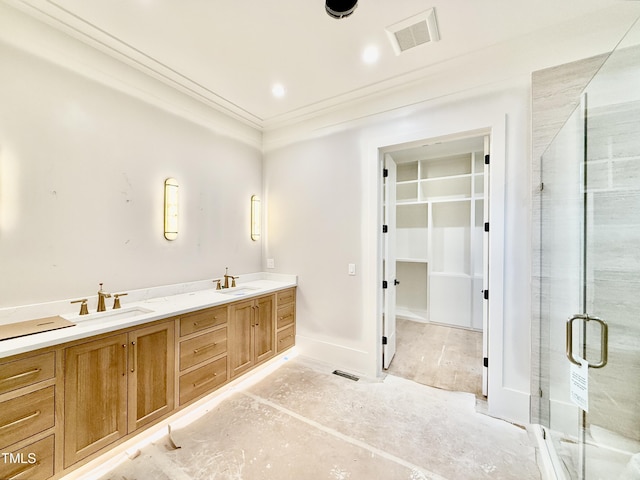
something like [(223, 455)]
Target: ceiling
[(229, 54)]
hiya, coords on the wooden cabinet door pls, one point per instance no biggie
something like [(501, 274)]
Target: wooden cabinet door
[(151, 371), (240, 330), (264, 328), (95, 396)]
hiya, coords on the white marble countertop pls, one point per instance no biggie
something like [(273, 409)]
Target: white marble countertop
[(138, 307)]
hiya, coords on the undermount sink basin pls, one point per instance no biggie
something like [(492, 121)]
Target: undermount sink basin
[(110, 315), (237, 291)]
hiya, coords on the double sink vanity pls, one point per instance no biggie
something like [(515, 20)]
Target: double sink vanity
[(68, 395)]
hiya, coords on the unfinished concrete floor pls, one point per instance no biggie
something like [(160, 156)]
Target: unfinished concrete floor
[(439, 356), (302, 422)]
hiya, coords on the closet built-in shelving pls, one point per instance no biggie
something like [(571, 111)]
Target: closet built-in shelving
[(439, 254)]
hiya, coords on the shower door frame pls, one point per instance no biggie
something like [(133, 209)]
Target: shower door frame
[(587, 211)]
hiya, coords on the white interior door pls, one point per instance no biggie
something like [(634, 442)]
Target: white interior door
[(389, 263), (485, 274)]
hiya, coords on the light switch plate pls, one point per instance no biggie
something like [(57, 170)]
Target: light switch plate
[(352, 269), (271, 263)]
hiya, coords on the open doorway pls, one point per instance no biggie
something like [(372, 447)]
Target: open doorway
[(436, 262)]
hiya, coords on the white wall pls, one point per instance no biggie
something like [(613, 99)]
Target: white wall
[(86, 142), (82, 167), (329, 183)]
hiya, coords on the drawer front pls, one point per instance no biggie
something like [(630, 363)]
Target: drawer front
[(33, 462), (198, 321), (286, 315), (27, 415), (286, 338), (24, 372), (286, 296), (203, 380), (203, 347)]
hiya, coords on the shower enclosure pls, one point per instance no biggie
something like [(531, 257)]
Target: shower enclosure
[(590, 278)]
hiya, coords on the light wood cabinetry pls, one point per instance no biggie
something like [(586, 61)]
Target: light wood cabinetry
[(95, 396), (285, 319), (251, 330), (28, 416), (32, 462), (202, 353), (202, 320), (62, 405), (26, 371), (151, 374), (115, 385), (202, 380)]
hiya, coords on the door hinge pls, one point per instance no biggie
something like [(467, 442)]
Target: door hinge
[(385, 172), (384, 284), (486, 294), (540, 392), (385, 228), (487, 159), (486, 226), (384, 340), (485, 362)]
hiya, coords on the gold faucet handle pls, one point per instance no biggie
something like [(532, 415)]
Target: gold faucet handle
[(84, 310), (116, 299), (218, 280), (233, 281)]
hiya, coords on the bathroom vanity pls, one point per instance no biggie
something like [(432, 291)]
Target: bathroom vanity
[(69, 395)]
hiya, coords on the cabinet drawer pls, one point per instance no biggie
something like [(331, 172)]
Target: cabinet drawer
[(24, 372), (26, 415), (33, 462), (286, 338), (286, 296), (203, 347), (286, 315), (195, 322), (203, 380)]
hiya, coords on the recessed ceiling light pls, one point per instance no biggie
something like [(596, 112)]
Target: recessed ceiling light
[(370, 54), (278, 90)]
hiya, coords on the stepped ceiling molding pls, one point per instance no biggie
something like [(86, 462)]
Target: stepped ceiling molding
[(229, 54)]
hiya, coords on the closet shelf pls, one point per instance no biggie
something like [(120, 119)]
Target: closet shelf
[(412, 260), (440, 231)]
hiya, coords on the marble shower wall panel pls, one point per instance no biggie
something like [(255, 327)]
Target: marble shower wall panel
[(555, 93), (613, 261)]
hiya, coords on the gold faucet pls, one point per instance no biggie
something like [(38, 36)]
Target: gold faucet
[(116, 299), (227, 277), (101, 296), (83, 306)]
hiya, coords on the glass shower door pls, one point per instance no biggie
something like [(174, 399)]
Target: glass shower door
[(562, 232), (591, 270)]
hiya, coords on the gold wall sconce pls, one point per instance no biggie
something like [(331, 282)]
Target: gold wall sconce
[(255, 218), (170, 209)]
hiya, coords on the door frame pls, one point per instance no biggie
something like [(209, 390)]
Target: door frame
[(388, 256), (505, 402)]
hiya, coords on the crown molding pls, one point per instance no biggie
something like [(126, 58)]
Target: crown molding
[(49, 12)]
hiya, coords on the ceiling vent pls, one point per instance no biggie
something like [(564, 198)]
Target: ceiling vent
[(414, 31)]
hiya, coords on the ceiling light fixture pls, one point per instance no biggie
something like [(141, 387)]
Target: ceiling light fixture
[(340, 8), (278, 90), (370, 54)]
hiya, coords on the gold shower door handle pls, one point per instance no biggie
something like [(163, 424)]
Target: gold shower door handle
[(604, 339)]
